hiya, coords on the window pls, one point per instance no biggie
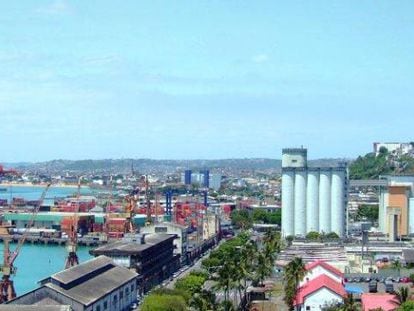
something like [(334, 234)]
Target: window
[(105, 305), (127, 291), (115, 300), (307, 308), (98, 308), (121, 294), (132, 287)]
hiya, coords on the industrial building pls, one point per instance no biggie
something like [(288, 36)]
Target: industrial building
[(95, 285), (396, 206), (313, 198), (151, 256), (180, 243)]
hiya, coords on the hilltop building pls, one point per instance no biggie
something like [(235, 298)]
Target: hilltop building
[(313, 198), (394, 148)]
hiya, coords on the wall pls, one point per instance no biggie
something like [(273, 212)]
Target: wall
[(398, 198), (320, 298)]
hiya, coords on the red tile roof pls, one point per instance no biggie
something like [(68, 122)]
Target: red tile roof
[(387, 302), (325, 265), (322, 281)]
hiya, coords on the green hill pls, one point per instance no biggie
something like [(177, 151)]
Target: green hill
[(371, 166)]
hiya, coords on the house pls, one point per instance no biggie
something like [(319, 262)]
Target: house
[(319, 292), (95, 285), (320, 267), (386, 302)]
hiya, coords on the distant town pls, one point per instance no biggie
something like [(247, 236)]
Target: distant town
[(250, 234)]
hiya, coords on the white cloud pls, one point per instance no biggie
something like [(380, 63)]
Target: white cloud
[(260, 58), (56, 7)]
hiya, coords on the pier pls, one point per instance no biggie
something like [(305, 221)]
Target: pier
[(51, 240)]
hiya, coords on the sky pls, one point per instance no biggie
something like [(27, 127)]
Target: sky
[(203, 79)]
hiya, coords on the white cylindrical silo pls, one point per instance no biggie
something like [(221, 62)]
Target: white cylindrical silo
[(325, 201), (300, 202), (312, 201), (288, 202), (338, 201)]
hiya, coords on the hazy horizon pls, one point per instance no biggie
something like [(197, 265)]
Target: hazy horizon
[(209, 80)]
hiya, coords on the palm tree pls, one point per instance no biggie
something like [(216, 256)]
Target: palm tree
[(294, 272), (402, 295), (350, 304), (397, 265)]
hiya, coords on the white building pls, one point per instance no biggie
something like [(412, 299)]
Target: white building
[(393, 147), (321, 286), (180, 243), (317, 268), (313, 199)]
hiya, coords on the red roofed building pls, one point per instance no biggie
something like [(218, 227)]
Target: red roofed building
[(386, 302), (319, 292), (318, 268)]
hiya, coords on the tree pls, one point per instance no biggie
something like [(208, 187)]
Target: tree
[(396, 264), (406, 306), (203, 301), (241, 219), (191, 284), (332, 236), (402, 295), (367, 212), (313, 235), (294, 272), (155, 302)]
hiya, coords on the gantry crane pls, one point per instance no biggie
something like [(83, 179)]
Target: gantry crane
[(8, 269), (72, 245)]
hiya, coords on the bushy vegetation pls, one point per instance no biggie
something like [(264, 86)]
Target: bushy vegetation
[(244, 219), (371, 166), (367, 212), (240, 261), (232, 266)]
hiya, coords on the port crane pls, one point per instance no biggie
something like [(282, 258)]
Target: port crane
[(7, 291), (72, 245), (130, 210)]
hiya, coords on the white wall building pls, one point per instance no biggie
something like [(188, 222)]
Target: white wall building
[(393, 147), (313, 199), (321, 286)]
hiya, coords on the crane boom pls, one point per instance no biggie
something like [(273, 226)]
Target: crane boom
[(15, 253), (7, 291)]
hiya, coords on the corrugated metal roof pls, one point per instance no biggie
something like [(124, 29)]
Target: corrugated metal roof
[(76, 272), (97, 287)]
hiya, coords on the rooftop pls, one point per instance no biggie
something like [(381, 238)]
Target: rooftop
[(131, 248), (372, 301), (312, 265), (322, 281), (97, 287)]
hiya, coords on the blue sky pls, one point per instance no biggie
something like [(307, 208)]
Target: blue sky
[(203, 79)]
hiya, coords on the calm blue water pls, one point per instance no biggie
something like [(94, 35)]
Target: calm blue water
[(34, 193), (37, 262)]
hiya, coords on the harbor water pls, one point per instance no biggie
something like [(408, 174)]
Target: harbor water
[(34, 192), (36, 262)]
